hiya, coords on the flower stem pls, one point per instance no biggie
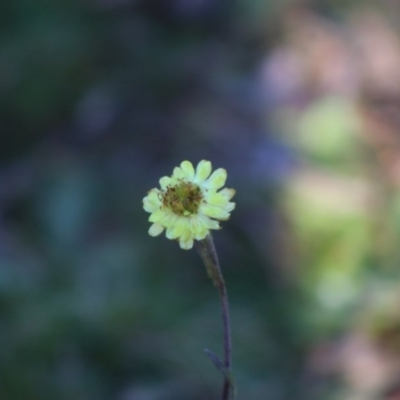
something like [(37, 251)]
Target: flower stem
[(209, 256)]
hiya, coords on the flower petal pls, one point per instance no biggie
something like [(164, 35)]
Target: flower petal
[(230, 206), (164, 218), (186, 240), (188, 170), (178, 173), (220, 198), (227, 193), (198, 227), (201, 235), (168, 220), (217, 179), (148, 206), (157, 216), (203, 171), (154, 195), (212, 223), (155, 229), (165, 181), (152, 202), (176, 230), (214, 211)]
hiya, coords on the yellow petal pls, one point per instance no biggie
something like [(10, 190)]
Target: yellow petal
[(148, 206), (203, 171), (186, 240), (211, 223), (214, 211), (217, 179), (227, 193), (219, 198), (197, 225), (165, 181), (178, 173), (157, 216), (169, 220), (173, 231), (188, 170), (154, 196), (178, 228), (201, 234), (155, 229), (230, 206), (151, 202)]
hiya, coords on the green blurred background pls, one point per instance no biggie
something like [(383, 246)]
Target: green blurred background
[(298, 100)]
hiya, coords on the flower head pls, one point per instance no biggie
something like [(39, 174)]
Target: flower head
[(189, 203)]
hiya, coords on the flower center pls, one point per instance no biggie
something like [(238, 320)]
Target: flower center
[(183, 199)]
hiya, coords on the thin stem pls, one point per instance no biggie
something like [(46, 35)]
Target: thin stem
[(227, 338), (209, 255)]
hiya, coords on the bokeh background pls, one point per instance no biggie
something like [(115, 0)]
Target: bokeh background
[(298, 100)]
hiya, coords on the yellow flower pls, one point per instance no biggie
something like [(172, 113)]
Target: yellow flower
[(189, 203)]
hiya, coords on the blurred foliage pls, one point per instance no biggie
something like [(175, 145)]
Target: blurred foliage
[(98, 99)]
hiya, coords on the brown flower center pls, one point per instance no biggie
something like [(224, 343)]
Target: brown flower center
[(183, 199)]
